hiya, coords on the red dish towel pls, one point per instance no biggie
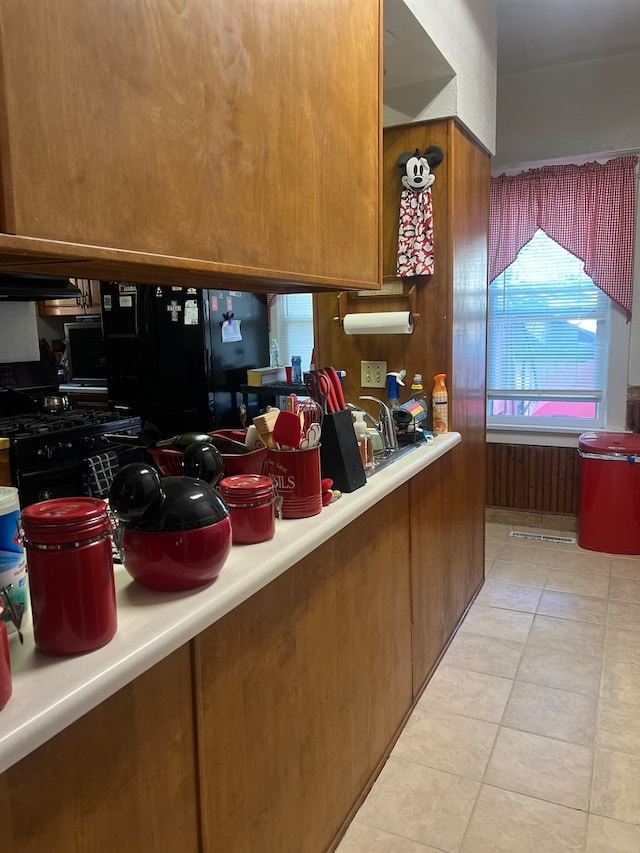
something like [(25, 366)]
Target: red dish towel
[(415, 235)]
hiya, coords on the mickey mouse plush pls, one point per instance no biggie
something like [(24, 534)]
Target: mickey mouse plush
[(415, 234)]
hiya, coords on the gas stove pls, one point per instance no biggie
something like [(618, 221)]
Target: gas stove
[(53, 439), (51, 453), (28, 425)]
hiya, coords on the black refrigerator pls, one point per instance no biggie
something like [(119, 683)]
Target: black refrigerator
[(176, 356)]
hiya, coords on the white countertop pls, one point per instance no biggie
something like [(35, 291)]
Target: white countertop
[(49, 693)]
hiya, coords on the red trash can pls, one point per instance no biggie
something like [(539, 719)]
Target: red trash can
[(609, 517)]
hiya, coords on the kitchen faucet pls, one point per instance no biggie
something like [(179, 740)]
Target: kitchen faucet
[(384, 425)]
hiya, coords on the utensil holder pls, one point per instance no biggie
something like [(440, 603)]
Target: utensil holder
[(339, 454), (296, 475)]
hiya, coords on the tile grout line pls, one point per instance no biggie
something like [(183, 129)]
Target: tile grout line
[(596, 744), (502, 726), (499, 728)]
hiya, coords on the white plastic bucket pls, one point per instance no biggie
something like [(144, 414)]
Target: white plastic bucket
[(9, 518), (13, 563)]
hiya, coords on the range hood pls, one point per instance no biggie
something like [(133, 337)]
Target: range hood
[(33, 288)]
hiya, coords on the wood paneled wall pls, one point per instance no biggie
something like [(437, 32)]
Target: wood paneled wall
[(451, 334), (533, 478), (424, 351)]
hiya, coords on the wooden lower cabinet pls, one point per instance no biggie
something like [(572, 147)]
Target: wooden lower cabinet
[(265, 732), (122, 778), (303, 687), (444, 575)]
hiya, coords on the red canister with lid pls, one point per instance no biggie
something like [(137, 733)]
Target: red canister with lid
[(5, 663), (251, 502), (70, 570)]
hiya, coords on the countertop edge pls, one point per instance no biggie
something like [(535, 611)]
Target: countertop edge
[(51, 693)]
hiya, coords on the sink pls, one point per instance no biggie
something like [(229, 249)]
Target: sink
[(381, 462)]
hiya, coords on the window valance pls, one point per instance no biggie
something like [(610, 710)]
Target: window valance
[(587, 209)]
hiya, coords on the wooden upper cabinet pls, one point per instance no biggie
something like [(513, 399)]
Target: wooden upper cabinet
[(207, 137), (87, 303)]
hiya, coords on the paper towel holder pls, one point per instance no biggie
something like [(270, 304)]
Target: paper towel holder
[(343, 302)]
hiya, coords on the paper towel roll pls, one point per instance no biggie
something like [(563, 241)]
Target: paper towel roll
[(380, 323)]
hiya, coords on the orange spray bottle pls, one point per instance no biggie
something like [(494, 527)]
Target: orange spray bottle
[(440, 401)]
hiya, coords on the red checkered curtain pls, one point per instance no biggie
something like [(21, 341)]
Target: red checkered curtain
[(588, 209)]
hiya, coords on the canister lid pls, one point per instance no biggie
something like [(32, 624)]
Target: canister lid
[(622, 443), (246, 488), (64, 519), (9, 500)]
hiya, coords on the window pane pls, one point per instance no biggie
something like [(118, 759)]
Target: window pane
[(292, 326), (548, 338)]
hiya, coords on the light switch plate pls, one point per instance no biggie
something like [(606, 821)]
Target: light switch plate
[(373, 374)]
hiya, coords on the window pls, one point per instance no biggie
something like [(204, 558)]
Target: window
[(549, 333), (292, 326)]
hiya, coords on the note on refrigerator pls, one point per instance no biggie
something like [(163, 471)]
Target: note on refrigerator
[(231, 331)]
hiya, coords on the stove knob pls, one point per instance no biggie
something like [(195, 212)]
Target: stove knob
[(45, 494)]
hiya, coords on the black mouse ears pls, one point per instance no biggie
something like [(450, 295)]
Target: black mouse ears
[(433, 154)]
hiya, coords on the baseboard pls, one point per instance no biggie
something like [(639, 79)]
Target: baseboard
[(550, 520)]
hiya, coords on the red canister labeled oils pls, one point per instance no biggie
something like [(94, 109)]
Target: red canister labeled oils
[(70, 567), (251, 502)]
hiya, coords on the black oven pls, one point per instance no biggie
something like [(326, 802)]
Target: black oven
[(78, 477), (61, 453)]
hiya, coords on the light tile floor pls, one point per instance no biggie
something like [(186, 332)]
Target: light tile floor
[(527, 738)]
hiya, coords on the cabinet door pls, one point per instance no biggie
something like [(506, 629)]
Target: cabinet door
[(87, 303), (446, 565), (228, 131), (93, 295), (122, 777), (301, 689)]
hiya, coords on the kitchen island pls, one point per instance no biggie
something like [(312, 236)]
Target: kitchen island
[(251, 714)]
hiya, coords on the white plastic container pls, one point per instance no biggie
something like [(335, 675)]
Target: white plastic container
[(364, 440), (13, 563)]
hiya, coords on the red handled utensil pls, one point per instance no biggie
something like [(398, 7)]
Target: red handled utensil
[(336, 386), (310, 412), (286, 430), (319, 389), (332, 401)]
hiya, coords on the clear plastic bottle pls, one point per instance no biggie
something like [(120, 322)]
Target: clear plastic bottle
[(417, 393), (364, 440), (440, 400), (274, 354)]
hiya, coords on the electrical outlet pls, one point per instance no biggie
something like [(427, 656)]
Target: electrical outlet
[(373, 374)]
